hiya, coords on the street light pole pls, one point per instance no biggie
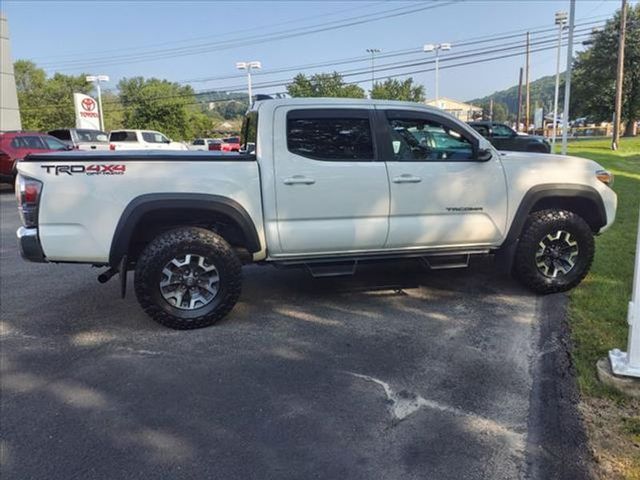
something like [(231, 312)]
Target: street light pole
[(97, 79), (567, 78), (248, 66), (561, 18), (373, 52), (430, 47)]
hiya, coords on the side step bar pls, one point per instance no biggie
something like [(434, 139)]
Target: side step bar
[(322, 270), (434, 261), (441, 262)]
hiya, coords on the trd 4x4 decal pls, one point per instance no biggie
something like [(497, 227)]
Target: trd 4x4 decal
[(95, 169)]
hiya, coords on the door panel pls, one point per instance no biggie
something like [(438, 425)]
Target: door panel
[(439, 196), (332, 204)]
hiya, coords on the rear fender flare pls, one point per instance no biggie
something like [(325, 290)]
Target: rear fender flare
[(144, 204)]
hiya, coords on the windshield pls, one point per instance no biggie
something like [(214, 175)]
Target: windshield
[(91, 136)]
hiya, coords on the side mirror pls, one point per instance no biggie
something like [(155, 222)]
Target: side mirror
[(484, 154)]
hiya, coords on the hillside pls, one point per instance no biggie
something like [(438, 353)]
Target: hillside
[(541, 92)]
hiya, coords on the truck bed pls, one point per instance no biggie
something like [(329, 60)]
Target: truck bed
[(85, 193)]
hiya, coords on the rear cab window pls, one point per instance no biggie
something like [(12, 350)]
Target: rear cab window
[(331, 134)]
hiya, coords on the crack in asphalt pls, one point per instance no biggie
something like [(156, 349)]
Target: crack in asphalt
[(403, 404)]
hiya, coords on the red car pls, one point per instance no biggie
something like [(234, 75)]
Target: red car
[(231, 144), (17, 145)]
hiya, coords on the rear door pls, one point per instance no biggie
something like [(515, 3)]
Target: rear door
[(441, 196), (331, 193)]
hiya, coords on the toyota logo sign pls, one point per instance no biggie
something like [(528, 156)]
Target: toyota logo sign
[(88, 104)]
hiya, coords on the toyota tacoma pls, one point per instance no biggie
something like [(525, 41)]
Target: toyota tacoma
[(325, 184)]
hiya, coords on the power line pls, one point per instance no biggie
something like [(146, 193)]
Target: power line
[(542, 46), (362, 59), (244, 41), (204, 37)]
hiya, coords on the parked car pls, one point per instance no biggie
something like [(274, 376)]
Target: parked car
[(142, 140), (334, 182), (82, 138), (200, 144), (17, 145), (505, 138), (230, 144)]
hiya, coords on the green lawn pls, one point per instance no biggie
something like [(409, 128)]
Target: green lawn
[(598, 314), (598, 310)]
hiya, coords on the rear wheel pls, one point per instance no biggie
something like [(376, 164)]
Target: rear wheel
[(555, 251), (188, 278)]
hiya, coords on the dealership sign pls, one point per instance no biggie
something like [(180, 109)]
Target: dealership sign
[(87, 113)]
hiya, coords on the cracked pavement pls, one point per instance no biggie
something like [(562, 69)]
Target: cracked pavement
[(396, 373)]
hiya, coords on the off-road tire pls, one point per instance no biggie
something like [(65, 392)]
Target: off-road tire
[(537, 227), (172, 244)]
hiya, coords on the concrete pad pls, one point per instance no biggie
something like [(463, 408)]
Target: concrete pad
[(626, 385)]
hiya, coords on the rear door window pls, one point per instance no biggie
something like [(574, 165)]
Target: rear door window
[(154, 137), (123, 137), (330, 134), (30, 142)]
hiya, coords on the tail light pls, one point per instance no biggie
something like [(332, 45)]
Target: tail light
[(28, 192), (112, 146), (215, 146)]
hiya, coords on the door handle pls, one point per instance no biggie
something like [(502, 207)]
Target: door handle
[(299, 180), (406, 178)]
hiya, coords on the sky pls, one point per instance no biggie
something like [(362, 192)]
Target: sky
[(192, 41)]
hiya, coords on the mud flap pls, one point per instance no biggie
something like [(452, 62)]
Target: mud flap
[(123, 276)]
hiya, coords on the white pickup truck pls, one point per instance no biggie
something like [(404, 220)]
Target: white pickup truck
[(142, 140), (330, 183)]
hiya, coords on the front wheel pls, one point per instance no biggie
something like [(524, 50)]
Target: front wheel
[(555, 251), (188, 278)]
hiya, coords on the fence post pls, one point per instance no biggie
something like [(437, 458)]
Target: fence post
[(628, 363)]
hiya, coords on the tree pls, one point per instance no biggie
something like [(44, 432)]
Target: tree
[(594, 77), (392, 89), (500, 113), (46, 103), (323, 85), (161, 105)]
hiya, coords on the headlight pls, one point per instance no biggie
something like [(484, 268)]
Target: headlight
[(605, 177)]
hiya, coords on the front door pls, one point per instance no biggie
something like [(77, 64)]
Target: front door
[(441, 196), (331, 193), (503, 138)]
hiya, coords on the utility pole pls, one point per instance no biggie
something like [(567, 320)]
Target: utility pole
[(519, 115), (491, 109), (619, 76), (527, 112), (373, 52), (567, 78), (561, 19)]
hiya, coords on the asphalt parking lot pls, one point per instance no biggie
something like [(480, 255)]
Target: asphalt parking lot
[(396, 373)]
